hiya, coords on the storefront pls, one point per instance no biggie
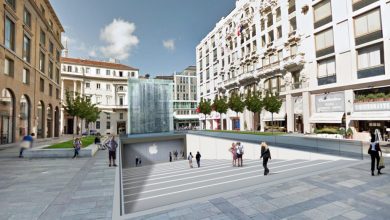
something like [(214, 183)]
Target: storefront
[(276, 120), (329, 111), (298, 114)]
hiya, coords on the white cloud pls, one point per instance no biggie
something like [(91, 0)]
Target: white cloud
[(169, 44), (120, 39), (92, 53)]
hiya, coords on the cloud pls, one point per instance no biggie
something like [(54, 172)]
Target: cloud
[(120, 39), (169, 44), (92, 53)]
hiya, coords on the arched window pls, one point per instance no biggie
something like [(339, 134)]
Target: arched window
[(24, 116), (7, 122)]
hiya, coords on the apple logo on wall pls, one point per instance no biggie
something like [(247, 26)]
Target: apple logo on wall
[(153, 149)]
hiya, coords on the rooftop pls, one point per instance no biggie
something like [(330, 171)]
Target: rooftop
[(94, 63)]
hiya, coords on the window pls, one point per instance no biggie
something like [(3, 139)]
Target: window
[(121, 100), (291, 6), (270, 21), (121, 116), (108, 125), (58, 76), (370, 57), (42, 85), (108, 99), (58, 55), (108, 116), (51, 47), (26, 48), (87, 70), (108, 87), (97, 71), (26, 76), (97, 124), (324, 39), (57, 94), (120, 74), (87, 85), (42, 62), (27, 17), (11, 3), (132, 74), (97, 85), (50, 90), (43, 10), (293, 50), (253, 30), (368, 23), (76, 70), (271, 36), (98, 99), (9, 40), (293, 24), (358, 4), (50, 70), (326, 68), (215, 55), (42, 38), (9, 67), (278, 14), (263, 41), (322, 13), (120, 88), (107, 72), (69, 68), (279, 33)]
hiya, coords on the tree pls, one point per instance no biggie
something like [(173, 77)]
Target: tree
[(73, 106), (254, 104), (205, 108), (88, 111), (220, 105), (235, 103), (272, 103)]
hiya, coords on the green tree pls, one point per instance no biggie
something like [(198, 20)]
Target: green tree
[(88, 111), (272, 103), (220, 105), (205, 108), (254, 104), (236, 103), (72, 106)]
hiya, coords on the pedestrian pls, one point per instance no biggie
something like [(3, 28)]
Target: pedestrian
[(77, 146), (233, 150), (190, 160), (170, 156), (373, 150), (112, 146), (176, 153), (139, 161), (266, 155), (198, 156), (27, 142), (136, 161), (240, 152)]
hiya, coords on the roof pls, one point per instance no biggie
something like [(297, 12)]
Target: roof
[(94, 63)]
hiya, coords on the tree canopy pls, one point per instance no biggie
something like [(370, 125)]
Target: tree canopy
[(272, 103), (235, 103), (253, 102), (220, 105), (205, 106)]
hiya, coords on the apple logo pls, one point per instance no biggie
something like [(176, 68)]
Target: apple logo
[(153, 149)]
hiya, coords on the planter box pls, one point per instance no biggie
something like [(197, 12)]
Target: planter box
[(89, 151)]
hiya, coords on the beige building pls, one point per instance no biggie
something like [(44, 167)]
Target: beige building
[(105, 84), (30, 70)]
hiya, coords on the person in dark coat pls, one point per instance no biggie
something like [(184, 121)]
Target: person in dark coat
[(198, 156), (170, 156), (266, 155), (373, 150)]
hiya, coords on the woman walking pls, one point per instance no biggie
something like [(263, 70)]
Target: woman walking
[(233, 150), (373, 150), (190, 160), (77, 146), (265, 154)]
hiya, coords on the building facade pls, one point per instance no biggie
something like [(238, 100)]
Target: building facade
[(325, 59), (30, 63), (105, 84), (185, 99)]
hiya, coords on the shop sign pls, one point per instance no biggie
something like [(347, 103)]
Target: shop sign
[(332, 102), (372, 106)]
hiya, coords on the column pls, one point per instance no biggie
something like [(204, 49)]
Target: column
[(62, 89), (262, 122), (290, 113), (74, 89), (81, 88), (306, 112)]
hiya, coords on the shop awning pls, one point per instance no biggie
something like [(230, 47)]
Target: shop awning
[(371, 116), (327, 118)]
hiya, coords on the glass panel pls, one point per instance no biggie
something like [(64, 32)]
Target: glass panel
[(374, 21), (362, 60), (360, 26), (322, 69), (375, 56)]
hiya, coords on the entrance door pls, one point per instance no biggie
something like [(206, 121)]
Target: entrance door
[(298, 123), (4, 129), (121, 127), (70, 126)]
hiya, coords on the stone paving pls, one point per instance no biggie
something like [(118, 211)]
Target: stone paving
[(348, 193), (56, 188)]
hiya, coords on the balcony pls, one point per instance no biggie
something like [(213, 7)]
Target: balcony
[(293, 61), (231, 83), (245, 77)]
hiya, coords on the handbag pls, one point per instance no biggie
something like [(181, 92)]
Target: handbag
[(381, 162)]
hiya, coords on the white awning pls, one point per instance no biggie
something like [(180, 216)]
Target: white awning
[(371, 116), (108, 111), (327, 118), (281, 116)]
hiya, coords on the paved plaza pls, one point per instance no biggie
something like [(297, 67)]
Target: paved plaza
[(296, 189)]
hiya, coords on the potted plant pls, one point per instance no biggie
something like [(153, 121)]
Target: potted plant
[(349, 133), (360, 98), (380, 96), (387, 98), (371, 97)]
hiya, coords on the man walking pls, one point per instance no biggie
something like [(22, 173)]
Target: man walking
[(27, 142), (170, 156), (198, 156), (112, 146), (136, 161)]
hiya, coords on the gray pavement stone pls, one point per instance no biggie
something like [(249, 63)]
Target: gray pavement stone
[(354, 215)]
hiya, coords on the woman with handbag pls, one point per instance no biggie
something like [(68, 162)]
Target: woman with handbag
[(373, 150), (266, 155)]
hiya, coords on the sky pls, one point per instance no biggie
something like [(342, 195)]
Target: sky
[(156, 36)]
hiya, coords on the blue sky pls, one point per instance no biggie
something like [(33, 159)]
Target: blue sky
[(156, 36)]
